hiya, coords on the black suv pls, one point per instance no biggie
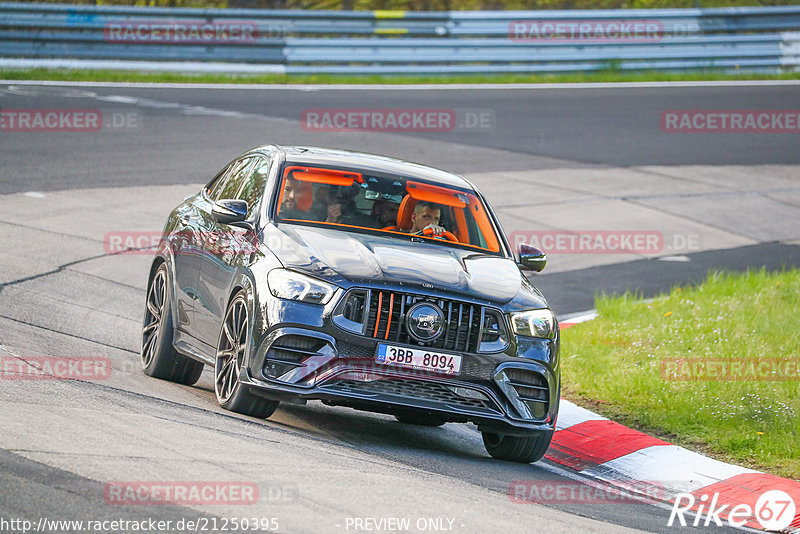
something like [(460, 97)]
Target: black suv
[(359, 280)]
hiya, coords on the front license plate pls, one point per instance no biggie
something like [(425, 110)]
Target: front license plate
[(418, 359)]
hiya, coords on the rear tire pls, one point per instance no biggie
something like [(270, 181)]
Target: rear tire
[(231, 349), (159, 358), (525, 450), (420, 419)]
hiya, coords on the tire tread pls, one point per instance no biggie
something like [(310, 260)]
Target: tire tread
[(522, 449)]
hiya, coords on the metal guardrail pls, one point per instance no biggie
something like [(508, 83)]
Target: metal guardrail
[(385, 42), (282, 23), (675, 21)]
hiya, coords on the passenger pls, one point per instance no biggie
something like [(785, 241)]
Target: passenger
[(336, 204), (384, 213), (324, 199)]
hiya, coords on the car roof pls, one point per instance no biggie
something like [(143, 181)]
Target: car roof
[(360, 160)]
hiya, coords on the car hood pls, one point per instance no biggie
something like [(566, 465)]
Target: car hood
[(349, 259)]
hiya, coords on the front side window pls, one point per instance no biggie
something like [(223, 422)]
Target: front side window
[(234, 180), (213, 187), (253, 187), (353, 200)]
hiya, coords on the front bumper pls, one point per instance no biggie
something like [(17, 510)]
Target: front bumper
[(304, 356)]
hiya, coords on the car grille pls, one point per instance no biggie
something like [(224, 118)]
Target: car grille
[(411, 389), (381, 315)]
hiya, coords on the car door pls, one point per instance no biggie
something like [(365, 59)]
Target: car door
[(228, 248), (187, 245)]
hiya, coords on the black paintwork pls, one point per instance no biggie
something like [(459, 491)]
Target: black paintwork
[(209, 261)]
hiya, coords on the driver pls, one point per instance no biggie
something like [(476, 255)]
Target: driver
[(426, 215)]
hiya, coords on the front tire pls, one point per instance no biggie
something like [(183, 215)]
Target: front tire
[(527, 449), (231, 350), (159, 358)]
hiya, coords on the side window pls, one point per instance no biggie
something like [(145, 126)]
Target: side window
[(253, 188), (476, 237), (214, 185), (234, 179)]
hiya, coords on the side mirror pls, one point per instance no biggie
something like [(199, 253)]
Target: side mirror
[(531, 258), (229, 211)]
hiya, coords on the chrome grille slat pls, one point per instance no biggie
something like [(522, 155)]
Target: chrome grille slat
[(402, 319), (469, 327), (449, 319), (458, 324)]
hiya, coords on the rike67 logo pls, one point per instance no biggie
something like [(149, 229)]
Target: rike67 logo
[(774, 510)]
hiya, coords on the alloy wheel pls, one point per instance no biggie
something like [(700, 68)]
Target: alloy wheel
[(230, 354), (153, 315)]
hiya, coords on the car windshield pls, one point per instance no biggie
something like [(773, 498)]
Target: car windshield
[(357, 201)]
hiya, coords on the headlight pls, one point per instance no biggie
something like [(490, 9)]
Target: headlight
[(534, 323), (290, 285)]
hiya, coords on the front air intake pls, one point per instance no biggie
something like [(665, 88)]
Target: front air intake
[(527, 391), (289, 352)]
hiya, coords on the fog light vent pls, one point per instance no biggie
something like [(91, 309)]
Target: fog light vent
[(526, 390)]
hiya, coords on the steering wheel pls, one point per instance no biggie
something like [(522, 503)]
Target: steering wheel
[(449, 236)]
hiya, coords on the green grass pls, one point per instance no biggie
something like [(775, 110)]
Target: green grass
[(167, 77), (613, 365)]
